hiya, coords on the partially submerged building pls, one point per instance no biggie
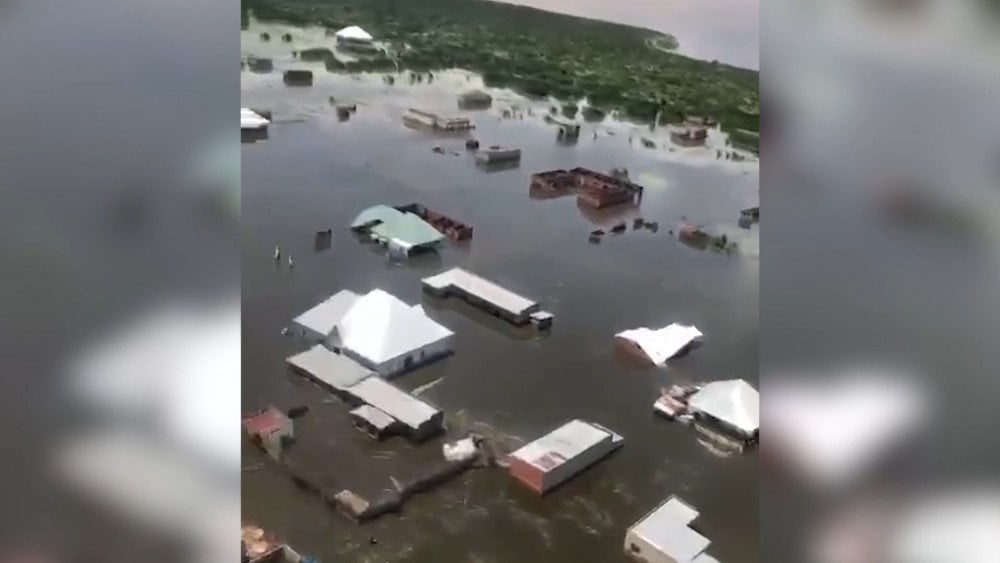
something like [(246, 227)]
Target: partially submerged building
[(269, 429), (374, 422), (567, 129), (593, 189), (420, 118), (335, 372), (353, 35), (665, 536), (251, 120), (296, 77), (417, 419), (259, 64), (659, 345), (559, 455), (496, 154), (449, 227), (690, 136), (475, 99), (486, 295), (397, 229), (378, 330), (727, 412)]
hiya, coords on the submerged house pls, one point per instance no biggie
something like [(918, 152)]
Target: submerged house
[(727, 412), (353, 36), (497, 153), (559, 455), (336, 372), (416, 418), (449, 227), (486, 295), (378, 330), (474, 99), (251, 120), (420, 118), (665, 536), (298, 77), (593, 189), (661, 344), (269, 429), (690, 136), (397, 229)]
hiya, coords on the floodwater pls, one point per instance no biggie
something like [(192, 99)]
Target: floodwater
[(316, 172)]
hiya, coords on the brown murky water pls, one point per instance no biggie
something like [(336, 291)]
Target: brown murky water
[(316, 172)]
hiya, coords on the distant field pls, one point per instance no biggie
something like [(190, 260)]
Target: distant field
[(615, 67)]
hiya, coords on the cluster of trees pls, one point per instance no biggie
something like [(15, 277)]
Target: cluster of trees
[(616, 67)]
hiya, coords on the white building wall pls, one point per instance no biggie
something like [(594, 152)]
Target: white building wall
[(400, 364), (577, 464), (647, 552)]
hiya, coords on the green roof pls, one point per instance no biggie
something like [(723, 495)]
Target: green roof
[(387, 223)]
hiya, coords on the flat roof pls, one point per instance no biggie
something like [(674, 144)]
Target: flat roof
[(667, 528), (393, 401), (376, 417), (336, 370), (324, 317), (564, 443), (482, 288)]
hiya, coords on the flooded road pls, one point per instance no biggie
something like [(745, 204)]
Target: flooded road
[(315, 172)]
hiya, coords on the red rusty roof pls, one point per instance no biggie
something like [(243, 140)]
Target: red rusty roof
[(265, 421)]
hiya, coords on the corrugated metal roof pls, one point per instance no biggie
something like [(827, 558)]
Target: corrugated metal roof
[(406, 229), (353, 33), (380, 327), (324, 317), (563, 443), (394, 402), (376, 417), (734, 402), (481, 288), (666, 528), (250, 119), (336, 370), (662, 344)]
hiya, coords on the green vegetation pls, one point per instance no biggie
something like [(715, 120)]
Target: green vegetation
[(570, 110), (613, 66)]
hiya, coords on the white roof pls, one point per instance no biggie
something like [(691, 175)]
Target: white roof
[(380, 327), (336, 370), (353, 33), (662, 344), (563, 443), (666, 528), (374, 416), (481, 288), (324, 317), (734, 402), (250, 119), (394, 402)]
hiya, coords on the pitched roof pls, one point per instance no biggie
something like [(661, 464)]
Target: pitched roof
[(355, 33), (390, 224), (380, 327), (662, 344), (734, 402), (324, 317)]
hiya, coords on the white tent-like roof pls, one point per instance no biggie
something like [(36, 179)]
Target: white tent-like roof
[(249, 119), (353, 33), (380, 327), (734, 402), (662, 344)]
